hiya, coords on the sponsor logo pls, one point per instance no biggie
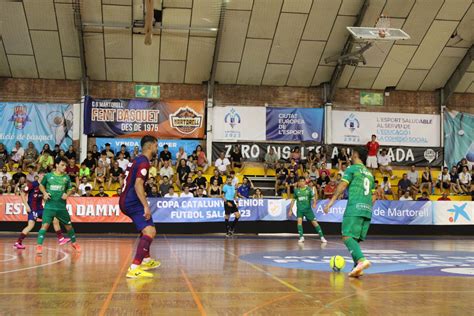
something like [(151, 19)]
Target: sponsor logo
[(429, 155), (352, 123), (20, 117), (232, 118), (274, 208), (458, 211), (186, 120)]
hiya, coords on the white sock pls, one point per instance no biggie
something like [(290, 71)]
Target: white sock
[(146, 259), (133, 266)]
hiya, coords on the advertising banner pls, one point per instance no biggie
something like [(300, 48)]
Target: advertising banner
[(256, 151), (195, 210), (400, 156), (239, 123), (458, 137), (136, 118), (392, 129), (295, 124), (173, 144), (39, 123)]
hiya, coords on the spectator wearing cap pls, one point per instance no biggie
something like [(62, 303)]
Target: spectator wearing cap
[(201, 158), (109, 153), (71, 153), (165, 155), (123, 150), (31, 154), (17, 155), (270, 160)]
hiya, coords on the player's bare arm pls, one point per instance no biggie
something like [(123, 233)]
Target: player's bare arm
[(339, 191), (140, 189), (24, 200), (46, 195)]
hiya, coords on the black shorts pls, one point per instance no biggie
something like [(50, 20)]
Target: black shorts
[(444, 185), (230, 209)]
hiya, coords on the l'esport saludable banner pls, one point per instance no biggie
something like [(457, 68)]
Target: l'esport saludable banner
[(39, 123), (194, 210), (135, 118), (392, 129)]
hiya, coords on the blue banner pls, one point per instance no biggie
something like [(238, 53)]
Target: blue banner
[(173, 144), (295, 124), (39, 123), (195, 210), (458, 137)]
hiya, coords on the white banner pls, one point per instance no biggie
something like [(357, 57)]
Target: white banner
[(239, 123), (453, 213), (392, 129)]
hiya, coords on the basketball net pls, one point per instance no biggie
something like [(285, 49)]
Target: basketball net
[(383, 24)]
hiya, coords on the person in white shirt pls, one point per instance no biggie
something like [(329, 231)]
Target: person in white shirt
[(123, 163), (166, 170), (444, 180), (414, 178), (181, 154), (17, 155), (386, 186), (186, 193), (83, 185), (384, 164), (6, 174), (171, 193), (222, 164), (406, 197), (465, 179)]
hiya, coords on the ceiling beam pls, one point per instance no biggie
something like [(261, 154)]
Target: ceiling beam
[(212, 79), (447, 91), (336, 75)]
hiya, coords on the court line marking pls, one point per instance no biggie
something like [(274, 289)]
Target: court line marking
[(13, 257), (108, 299), (274, 277), (270, 302), (66, 255), (196, 298)]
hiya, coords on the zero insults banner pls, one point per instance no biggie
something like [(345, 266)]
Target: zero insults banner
[(39, 123), (392, 129), (257, 151), (295, 124), (238, 123), (194, 210), (400, 156), (173, 144), (117, 117)]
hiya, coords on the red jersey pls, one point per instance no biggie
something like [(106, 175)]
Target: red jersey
[(373, 148), (137, 169)]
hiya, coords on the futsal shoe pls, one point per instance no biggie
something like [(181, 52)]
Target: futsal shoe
[(39, 250), (137, 273), (323, 240), (150, 264), (301, 240), (17, 245), (63, 241), (359, 269), (76, 246)]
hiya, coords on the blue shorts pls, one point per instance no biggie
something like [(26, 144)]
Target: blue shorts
[(34, 215), (136, 215)]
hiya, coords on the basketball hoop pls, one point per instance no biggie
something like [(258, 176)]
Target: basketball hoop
[(383, 24)]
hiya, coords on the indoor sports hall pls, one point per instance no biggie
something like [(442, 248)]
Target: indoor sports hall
[(236, 157)]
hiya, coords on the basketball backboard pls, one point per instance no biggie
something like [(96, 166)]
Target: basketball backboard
[(374, 33)]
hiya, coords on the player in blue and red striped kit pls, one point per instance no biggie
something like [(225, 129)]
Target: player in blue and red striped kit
[(32, 198), (134, 204)]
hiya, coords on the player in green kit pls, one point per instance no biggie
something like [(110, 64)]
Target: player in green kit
[(56, 187), (358, 213), (303, 196)]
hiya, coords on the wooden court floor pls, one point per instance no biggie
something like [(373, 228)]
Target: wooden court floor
[(205, 275)]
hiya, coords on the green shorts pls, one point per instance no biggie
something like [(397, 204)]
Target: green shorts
[(355, 226), (61, 215), (308, 213)]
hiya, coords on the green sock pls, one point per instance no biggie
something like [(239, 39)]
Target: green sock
[(72, 235), (354, 249), (300, 230), (41, 234), (319, 231)]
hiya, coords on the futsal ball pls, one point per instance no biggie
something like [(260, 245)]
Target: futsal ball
[(337, 263)]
